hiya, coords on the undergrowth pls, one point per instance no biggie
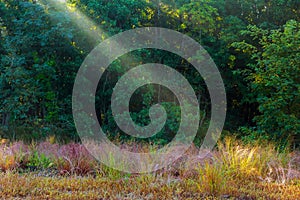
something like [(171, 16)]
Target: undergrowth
[(234, 170)]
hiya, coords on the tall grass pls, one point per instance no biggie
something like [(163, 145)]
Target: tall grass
[(258, 170), (255, 162)]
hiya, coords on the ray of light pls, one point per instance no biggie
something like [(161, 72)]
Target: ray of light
[(84, 23), (91, 30)]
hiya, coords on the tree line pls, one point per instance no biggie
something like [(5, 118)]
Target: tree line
[(254, 43)]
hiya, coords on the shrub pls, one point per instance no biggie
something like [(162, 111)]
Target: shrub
[(13, 156), (39, 161), (75, 159)]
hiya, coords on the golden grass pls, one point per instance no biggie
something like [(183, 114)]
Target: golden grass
[(233, 171), (140, 187)]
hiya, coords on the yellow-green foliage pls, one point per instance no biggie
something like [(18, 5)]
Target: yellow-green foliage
[(242, 161), (211, 179)]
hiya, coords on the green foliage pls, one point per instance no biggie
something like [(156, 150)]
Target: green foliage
[(274, 78), (39, 160), (198, 17), (43, 43)]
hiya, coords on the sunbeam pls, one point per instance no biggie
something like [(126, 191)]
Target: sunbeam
[(84, 23)]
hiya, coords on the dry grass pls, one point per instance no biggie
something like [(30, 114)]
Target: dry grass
[(233, 171), (30, 186)]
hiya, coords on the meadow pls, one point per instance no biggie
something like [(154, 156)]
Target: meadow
[(234, 170)]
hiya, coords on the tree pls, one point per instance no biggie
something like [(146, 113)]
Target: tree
[(36, 50), (274, 78)]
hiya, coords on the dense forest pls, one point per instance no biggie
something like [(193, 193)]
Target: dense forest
[(254, 43)]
